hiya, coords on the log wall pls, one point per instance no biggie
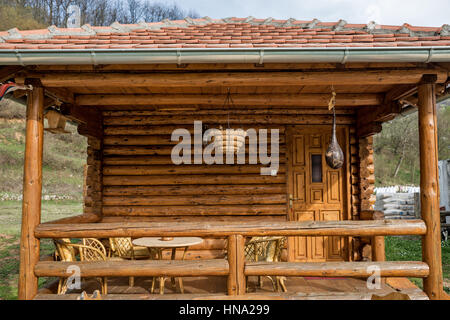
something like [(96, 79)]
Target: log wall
[(93, 181), (141, 182), (364, 185)]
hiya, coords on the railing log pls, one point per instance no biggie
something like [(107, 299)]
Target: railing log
[(218, 229), (136, 268), (337, 269)]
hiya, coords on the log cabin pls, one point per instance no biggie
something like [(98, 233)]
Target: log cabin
[(128, 87)]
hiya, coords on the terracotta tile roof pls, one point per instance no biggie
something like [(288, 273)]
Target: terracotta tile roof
[(227, 33)]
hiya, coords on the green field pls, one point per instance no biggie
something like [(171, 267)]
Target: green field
[(10, 221)]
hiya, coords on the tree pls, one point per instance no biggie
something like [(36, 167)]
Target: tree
[(397, 147), (31, 14), (21, 18)]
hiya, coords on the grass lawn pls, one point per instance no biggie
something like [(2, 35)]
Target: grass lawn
[(408, 248), (10, 221), (397, 248)]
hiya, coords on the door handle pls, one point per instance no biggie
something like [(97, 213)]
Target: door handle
[(291, 200)]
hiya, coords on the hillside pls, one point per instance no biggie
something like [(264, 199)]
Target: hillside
[(396, 148), (63, 162)]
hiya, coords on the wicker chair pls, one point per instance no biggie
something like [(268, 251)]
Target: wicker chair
[(123, 248), (91, 250), (266, 249)]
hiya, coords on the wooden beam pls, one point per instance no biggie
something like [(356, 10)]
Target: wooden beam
[(62, 94), (181, 229), (367, 130), (369, 119), (429, 187), (220, 79), (220, 119), (244, 110), (337, 269), (137, 268), (306, 99), (400, 92), (32, 190), (81, 115), (8, 72), (90, 120)]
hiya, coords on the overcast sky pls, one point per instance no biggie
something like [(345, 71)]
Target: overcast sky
[(396, 12)]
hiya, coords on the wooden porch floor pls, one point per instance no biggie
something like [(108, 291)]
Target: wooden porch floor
[(205, 288)]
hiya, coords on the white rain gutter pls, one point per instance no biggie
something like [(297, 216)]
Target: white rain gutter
[(217, 55)]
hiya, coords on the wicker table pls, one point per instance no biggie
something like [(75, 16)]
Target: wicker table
[(159, 244)]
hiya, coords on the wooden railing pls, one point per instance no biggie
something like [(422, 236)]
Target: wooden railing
[(235, 266)]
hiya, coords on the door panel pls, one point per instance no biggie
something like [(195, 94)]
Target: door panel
[(301, 243), (316, 192)]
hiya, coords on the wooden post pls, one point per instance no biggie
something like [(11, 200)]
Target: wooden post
[(236, 261), (32, 189), (429, 187)]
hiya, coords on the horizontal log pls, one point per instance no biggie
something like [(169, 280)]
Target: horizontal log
[(154, 160), (193, 254), (209, 244), (223, 120), (299, 100), (221, 229), (194, 210), (207, 200), (197, 219), (165, 140), (414, 294), (198, 190), (238, 79), (162, 150), (184, 169), (161, 111), (168, 129), (191, 179), (137, 268), (338, 269)]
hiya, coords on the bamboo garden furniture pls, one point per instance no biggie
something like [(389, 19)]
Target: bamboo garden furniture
[(91, 250), (161, 243), (123, 248), (266, 249)]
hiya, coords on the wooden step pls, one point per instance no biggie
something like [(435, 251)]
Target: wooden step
[(415, 294), (220, 229), (137, 268)]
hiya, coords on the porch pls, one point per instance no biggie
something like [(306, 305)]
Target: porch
[(128, 112)]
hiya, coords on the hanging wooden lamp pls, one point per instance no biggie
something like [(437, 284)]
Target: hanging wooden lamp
[(334, 155)]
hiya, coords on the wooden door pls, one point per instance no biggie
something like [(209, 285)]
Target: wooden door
[(316, 192)]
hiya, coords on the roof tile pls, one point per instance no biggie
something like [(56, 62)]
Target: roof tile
[(226, 33)]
